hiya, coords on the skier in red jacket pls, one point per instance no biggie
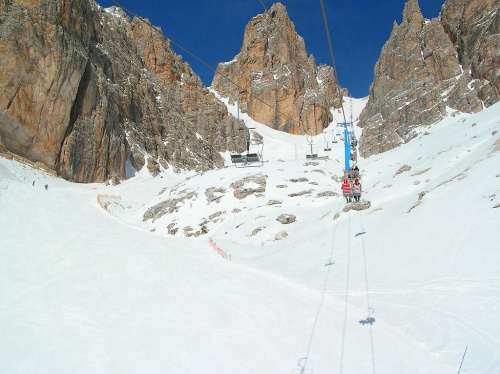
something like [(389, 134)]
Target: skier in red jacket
[(347, 191)]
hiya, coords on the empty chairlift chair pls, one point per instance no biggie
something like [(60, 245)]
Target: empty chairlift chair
[(327, 147), (249, 159), (311, 152)]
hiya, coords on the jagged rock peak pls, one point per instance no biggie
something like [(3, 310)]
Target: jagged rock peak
[(282, 87), (272, 39), (429, 67), (286, 45), (413, 15)]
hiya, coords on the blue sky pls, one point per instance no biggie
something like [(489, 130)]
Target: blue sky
[(213, 30)]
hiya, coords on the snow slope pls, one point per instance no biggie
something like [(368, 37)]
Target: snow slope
[(89, 290)]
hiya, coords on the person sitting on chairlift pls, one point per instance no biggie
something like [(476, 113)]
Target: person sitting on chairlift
[(355, 171), (347, 191), (356, 190)]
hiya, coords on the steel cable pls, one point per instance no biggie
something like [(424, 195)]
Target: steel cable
[(367, 292), (329, 265)]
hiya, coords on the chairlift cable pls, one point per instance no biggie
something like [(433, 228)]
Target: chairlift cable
[(344, 327), (333, 58), (463, 358), (364, 260), (329, 265), (367, 292)]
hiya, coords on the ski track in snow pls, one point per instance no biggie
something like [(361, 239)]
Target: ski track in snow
[(89, 290)]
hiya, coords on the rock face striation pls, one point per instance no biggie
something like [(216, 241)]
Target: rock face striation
[(275, 81), (428, 67), (85, 89)]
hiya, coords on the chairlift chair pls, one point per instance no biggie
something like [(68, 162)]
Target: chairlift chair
[(245, 160), (327, 148), (248, 159), (311, 153), (340, 134)]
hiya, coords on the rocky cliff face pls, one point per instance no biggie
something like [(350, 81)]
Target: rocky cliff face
[(278, 84), (84, 89), (474, 29), (428, 67)]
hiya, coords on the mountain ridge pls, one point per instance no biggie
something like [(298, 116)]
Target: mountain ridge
[(87, 91), (82, 95), (428, 67)]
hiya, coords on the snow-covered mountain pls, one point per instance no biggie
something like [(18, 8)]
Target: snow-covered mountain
[(90, 285), (275, 80)]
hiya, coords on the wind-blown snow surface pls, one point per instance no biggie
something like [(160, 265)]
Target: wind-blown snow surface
[(85, 290)]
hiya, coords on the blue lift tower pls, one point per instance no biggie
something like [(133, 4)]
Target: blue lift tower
[(349, 139)]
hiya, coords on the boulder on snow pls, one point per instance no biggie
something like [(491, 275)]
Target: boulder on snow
[(359, 205), (274, 202), (257, 230), (327, 194), (286, 218), (402, 169), (214, 194), (301, 193), (241, 188), (167, 207), (281, 235)]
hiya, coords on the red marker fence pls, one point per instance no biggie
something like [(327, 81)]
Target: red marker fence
[(219, 249), (99, 196)]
